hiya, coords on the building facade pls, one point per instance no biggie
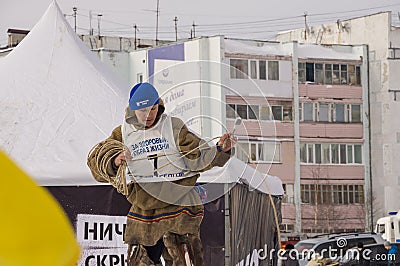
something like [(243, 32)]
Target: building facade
[(307, 126), (383, 40)]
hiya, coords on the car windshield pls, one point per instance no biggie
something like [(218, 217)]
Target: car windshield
[(300, 246), (381, 228)]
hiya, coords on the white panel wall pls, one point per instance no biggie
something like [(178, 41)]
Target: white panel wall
[(395, 37), (138, 66), (118, 62)]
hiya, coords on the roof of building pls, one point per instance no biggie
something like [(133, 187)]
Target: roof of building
[(17, 31)]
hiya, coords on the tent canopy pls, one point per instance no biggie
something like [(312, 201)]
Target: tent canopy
[(57, 101), (236, 171)]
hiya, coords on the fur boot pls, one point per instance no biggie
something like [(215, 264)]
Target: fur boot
[(175, 245), (139, 257)]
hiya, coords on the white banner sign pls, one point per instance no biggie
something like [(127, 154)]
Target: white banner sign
[(103, 257), (180, 88), (100, 231)]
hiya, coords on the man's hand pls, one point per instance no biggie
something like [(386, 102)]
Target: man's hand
[(123, 156), (226, 142)]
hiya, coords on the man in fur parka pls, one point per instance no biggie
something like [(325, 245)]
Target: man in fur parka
[(164, 161)]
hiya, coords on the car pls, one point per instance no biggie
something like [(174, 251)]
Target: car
[(333, 246), (375, 254)]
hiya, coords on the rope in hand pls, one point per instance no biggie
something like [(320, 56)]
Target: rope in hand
[(180, 157), (104, 153)]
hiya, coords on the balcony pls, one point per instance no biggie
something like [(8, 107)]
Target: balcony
[(315, 91)]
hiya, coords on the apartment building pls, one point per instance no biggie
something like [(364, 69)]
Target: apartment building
[(322, 157), (380, 33)]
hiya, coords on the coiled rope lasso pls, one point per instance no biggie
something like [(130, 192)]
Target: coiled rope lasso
[(103, 153)]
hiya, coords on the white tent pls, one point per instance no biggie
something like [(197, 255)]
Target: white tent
[(57, 100), (236, 171)]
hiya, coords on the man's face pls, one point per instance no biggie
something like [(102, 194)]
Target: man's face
[(147, 116)]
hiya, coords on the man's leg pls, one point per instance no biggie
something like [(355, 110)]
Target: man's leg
[(154, 252), (139, 257), (175, 245), (197, 250)]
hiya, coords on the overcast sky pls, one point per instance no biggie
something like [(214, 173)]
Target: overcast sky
[(253, 19)]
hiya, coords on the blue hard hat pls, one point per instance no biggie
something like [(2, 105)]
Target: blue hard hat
[(143, 95)]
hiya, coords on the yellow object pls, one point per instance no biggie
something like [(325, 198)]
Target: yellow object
[(33, 228)]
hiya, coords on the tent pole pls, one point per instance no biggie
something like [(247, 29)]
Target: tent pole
[(227, 226)]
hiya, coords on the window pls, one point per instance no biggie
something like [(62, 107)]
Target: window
[(310, 153), (337, 194), (335, 74), (287, 227), (381, 228), (359, 194), (259, 112), (269, 152), (287, 113), (253, 69), (326, 158), (239, 68), (339, 113), (262, 66), (230, 111), (355, 113), (265, 113), (323, 112), (358, 75), (330, 112), (330, 153), (277, 112), (335, 153), (139, 77), (317, 153), (342, 153), (273, 70), (242, 151), (324, 73), (327, 194), (253, 152), (252, 111), (351, 194), (303, 152), (310, 72), (350, 154), (328, 74), (259, 151), (302, 72), (319, 73), (308, 112), (357, 154), (351, 72), (242, 111), (394, 53), (343, 74)]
